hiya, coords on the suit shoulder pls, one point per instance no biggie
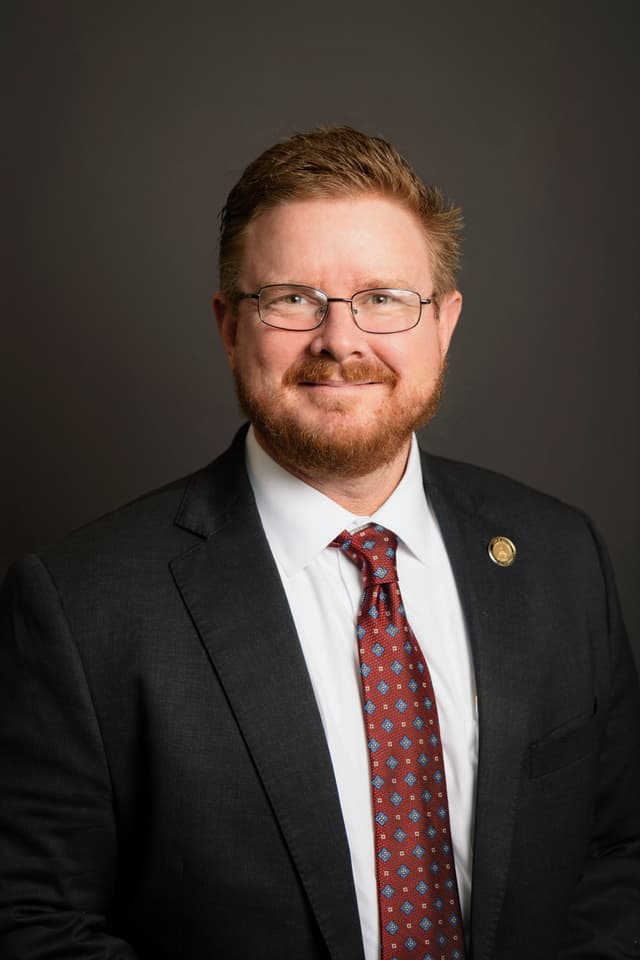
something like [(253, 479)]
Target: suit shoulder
[(136, 542), (498, 493), (559, 540), (130, 541)]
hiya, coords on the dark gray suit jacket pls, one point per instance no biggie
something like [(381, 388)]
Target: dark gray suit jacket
[(166, 789)]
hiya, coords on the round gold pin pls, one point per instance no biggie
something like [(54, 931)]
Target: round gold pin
[(502, 551)]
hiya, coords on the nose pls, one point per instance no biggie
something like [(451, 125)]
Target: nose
[(338, 336)]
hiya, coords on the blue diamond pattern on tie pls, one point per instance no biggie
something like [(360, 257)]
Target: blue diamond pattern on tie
[(417, 891)]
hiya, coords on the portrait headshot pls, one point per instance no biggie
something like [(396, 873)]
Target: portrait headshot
[(318, 619)]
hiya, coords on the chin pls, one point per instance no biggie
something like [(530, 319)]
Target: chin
[(334, 444), (334, 437), (337, 452)]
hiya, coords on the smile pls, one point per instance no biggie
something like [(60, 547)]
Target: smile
[(340, 384)]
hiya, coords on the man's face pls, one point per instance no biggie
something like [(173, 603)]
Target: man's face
[(336, 400)]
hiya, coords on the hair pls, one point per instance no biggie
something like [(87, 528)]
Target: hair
[(330, 163)]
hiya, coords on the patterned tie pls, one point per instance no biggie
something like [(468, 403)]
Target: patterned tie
[(420, 916)]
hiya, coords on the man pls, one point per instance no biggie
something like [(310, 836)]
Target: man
[(330, 696)]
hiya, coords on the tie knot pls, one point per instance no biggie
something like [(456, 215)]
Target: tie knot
[(373, 550)]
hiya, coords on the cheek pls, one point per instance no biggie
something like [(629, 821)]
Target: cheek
[(266, 358), (414, 357)]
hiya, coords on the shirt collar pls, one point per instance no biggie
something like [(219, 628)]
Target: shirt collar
[(300, 522)]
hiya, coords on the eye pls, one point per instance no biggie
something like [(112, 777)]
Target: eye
[(284, 300), (292, 299), (381, 299), (288, 299)]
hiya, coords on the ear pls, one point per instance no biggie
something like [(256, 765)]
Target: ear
[(450, 307), (226, 321)]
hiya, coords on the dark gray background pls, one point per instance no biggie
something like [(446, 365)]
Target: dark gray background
[(133, 119)]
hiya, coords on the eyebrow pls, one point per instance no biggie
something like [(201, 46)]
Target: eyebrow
[(374, 283), (365, 283)]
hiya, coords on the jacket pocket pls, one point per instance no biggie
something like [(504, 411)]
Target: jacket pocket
[(568, 743)]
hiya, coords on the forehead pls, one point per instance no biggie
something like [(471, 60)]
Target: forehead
[(346, 239)]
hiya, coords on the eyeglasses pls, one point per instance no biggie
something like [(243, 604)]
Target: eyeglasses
[(293, 306)]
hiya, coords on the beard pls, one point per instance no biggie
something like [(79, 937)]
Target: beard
[(336, 448)]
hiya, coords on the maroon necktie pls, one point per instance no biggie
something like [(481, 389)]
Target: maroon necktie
[(420, 916)]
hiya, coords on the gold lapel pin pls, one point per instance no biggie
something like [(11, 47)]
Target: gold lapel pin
[(502, 551)]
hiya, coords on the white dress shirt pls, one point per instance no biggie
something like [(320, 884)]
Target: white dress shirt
[(323, 589)]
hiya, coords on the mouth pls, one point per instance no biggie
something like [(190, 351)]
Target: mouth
[(322, 374), (339, 384)]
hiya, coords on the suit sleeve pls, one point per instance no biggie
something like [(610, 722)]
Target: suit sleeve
[(57, 827), (604, 922)]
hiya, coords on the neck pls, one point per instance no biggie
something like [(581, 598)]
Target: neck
[(361, 495)]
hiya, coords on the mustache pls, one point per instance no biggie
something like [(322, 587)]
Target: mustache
[(318, 369)]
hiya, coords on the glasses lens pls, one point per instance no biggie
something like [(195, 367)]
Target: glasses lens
[(291, 306), (386, 311)]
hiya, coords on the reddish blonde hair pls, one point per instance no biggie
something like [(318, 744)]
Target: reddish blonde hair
[(337, 162)]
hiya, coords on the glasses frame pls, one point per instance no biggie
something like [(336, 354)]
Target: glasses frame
[(424, 301)]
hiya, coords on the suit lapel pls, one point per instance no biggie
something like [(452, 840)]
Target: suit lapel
[(253, 647), (493, 614)]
